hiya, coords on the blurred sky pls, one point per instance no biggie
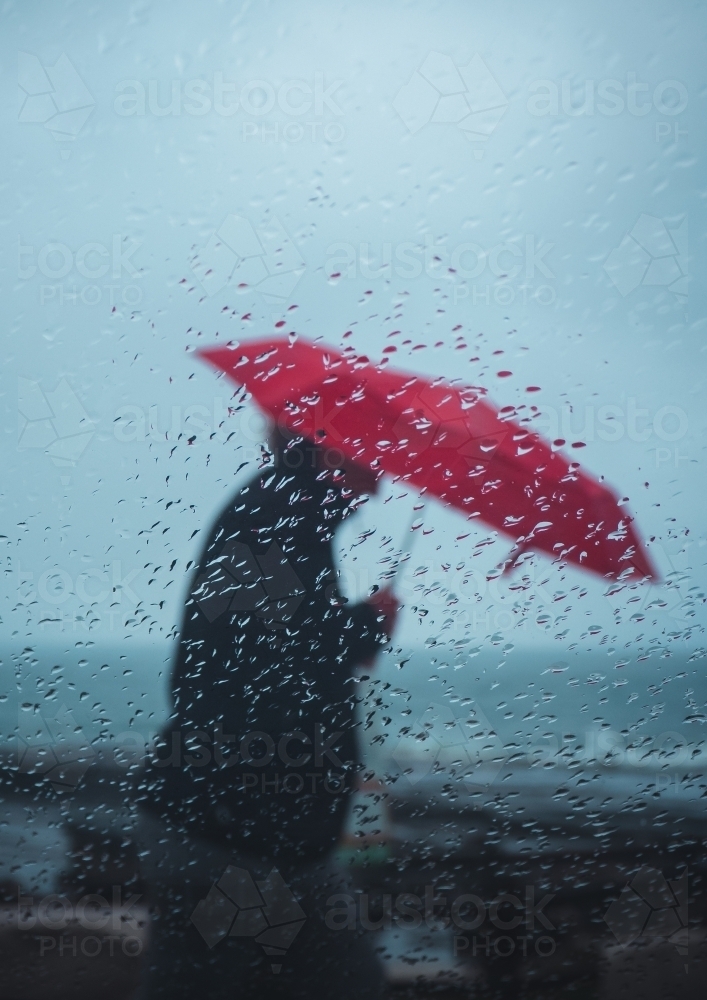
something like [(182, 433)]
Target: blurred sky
[(107, 533)]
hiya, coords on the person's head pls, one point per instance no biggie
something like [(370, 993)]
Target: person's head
[(351, 477)]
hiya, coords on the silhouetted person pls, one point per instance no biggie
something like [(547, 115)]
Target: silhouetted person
[(259, 757)]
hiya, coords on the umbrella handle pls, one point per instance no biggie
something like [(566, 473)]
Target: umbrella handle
[(369, 663), (389, 584), (516, 551), (404, 553)]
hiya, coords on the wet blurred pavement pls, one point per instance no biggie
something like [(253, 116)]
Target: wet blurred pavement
[(581, 936)]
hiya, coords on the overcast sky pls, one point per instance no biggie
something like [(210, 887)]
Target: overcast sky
[(451, 245)]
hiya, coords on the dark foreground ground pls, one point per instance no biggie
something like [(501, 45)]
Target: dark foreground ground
[(563, 913), (79, 964)]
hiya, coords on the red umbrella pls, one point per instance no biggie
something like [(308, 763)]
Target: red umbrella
[(444, 439)]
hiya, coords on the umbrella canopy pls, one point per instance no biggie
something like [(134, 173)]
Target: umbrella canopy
[(442, 438)]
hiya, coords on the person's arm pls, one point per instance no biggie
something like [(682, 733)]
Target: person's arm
[(372, 624)]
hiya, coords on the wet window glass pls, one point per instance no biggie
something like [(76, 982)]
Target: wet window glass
[(353, 536)]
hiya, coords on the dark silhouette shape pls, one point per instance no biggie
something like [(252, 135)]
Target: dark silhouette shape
[(257, 761)]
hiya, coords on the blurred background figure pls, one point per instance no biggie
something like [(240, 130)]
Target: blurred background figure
[(260, 754)]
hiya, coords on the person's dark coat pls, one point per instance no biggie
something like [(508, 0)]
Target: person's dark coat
[(268, 646)]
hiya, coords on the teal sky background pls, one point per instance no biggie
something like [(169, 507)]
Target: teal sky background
[(97, 545)]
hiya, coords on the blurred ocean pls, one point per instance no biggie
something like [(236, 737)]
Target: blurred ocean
[(645, 714)]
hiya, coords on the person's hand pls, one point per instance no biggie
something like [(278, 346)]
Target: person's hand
[(386, 605)]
